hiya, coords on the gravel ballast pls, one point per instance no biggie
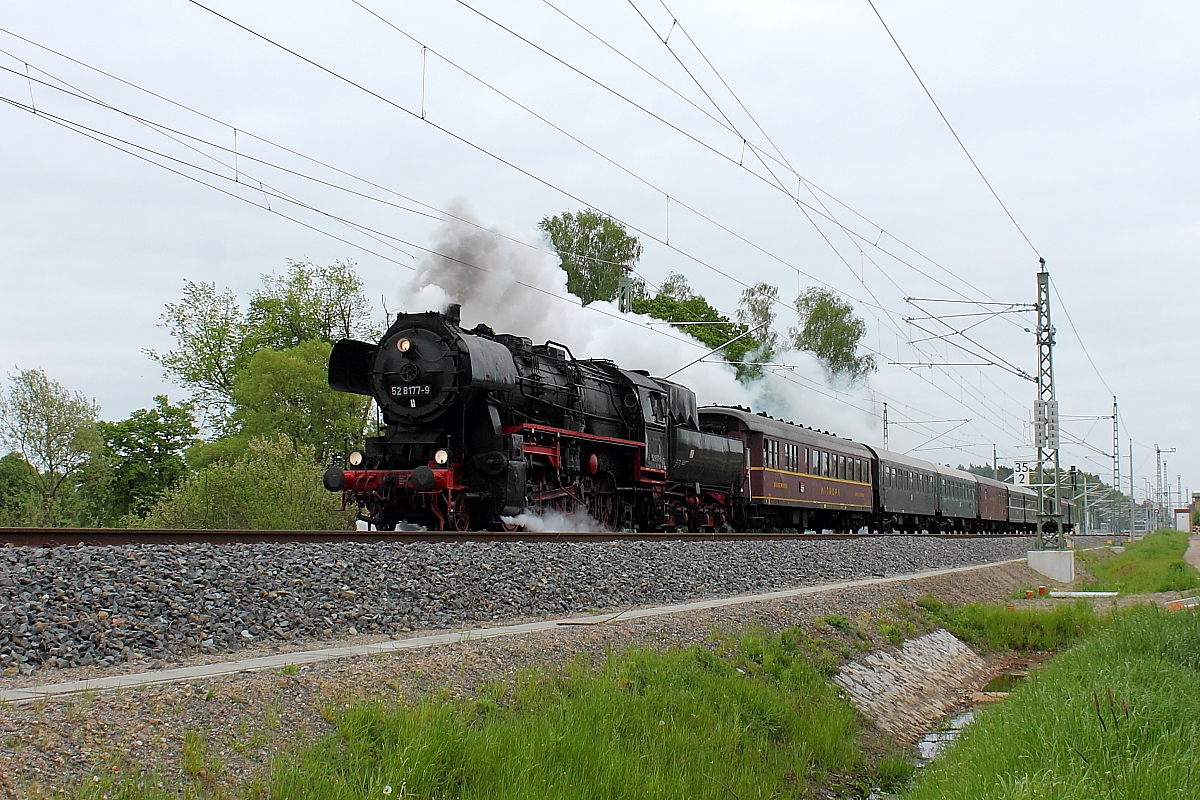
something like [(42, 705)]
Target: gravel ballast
[(100, 606)]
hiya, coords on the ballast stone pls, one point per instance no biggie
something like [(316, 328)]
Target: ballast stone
[(106, 605)]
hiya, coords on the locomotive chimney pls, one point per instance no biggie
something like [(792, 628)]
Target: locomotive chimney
[(454, 313)]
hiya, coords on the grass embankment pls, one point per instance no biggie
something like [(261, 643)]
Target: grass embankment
[(1153, 564), (681, 724), (997, 629), (1115, 717), (758, 718), (755, 716)]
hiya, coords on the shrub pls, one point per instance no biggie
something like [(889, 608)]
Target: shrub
[(274, 485)]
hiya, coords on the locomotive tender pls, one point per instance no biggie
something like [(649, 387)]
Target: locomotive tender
[(479, 427)]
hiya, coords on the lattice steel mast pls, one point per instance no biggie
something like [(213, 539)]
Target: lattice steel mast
[(1045, 424)]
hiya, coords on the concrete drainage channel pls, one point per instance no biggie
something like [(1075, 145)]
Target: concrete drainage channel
[(182, 674)]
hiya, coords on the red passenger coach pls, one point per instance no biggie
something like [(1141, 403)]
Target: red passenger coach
[(993, 505), (797, 477)]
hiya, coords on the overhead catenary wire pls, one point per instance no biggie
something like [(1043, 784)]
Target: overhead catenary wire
[(743, 284), (953, 132), (131, 148), (97, 135), (782, 157), (663, 240)]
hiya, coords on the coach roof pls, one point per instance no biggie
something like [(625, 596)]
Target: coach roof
[(789, 431)]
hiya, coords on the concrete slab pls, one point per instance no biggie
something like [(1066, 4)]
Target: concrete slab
[(30, 694), (1058, 565)]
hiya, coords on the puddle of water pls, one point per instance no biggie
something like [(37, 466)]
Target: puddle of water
[(1005, 682), (933, 743)]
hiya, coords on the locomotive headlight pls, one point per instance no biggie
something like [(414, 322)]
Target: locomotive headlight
[(355, 458), (403, 345), (441, 456)]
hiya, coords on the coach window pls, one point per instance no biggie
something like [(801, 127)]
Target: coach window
[(824, 464), (807, 462)]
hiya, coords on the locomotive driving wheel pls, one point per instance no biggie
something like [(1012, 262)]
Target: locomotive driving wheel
[(604, 505), (459, 517)]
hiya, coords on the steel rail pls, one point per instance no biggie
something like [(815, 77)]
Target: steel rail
[(67, 537)]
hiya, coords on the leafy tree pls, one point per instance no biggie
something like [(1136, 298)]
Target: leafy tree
[(144, 456), (1003, 473), (756, 309), (215, 340), (54, 432), (308, 303), (274, 485), (675, 302), (17, 502), (209, 333), (829, 329), (593, 249), (286, 392)]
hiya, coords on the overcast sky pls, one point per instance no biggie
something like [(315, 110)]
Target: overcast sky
[(1083, 116)]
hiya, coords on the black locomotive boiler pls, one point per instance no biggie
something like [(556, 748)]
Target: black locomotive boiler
[(479, 427)]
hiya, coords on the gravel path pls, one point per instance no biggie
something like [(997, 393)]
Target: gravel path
[(1192, 556), (89, 610)]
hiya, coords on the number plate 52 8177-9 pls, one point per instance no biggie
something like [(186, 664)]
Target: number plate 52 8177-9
[(412, 391)]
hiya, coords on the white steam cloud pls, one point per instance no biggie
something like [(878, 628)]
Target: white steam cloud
[(555, 522), (493, 279)]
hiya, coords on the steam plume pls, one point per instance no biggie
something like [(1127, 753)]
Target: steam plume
[(491, 278)]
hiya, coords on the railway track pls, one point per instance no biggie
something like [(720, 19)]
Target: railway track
[(59, 537)]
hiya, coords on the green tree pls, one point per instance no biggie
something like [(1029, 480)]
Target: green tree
[(17, 501), (210, 335), (307, 303), (675, 302), (286, 392), (214, 339), (273, 485), (830, 330), (756, 309), (593, 249), (53, 430), (144, 456)]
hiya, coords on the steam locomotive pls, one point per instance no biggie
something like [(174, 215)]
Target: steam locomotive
[(479, 427)]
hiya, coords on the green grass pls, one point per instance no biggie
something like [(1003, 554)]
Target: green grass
[(757, 721), (997, 629), (752, 716), (1114, 718), (1154, 564)]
